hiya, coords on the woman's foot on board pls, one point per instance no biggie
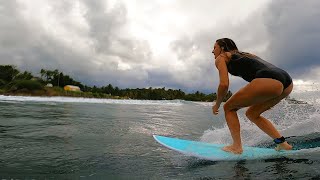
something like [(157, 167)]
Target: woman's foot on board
[(233, 149), (283, 146)]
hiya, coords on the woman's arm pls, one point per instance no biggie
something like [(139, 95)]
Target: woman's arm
[(224, 79)]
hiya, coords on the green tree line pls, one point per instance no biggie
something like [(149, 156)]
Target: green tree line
[(11, 79)]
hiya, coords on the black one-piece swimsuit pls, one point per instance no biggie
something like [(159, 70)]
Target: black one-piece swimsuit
[(250, 67)]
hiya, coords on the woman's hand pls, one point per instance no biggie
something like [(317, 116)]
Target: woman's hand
[(215, 109)]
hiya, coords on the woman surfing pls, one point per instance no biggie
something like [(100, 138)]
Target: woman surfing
[(267, 86)]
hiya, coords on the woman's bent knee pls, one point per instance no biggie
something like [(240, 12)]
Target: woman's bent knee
[(226, 107), (251, 114), (229, 107)]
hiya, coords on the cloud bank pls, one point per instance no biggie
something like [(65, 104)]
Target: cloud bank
[(156, 43)]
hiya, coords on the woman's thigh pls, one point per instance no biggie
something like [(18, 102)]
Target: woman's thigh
[(257, 109), (257, 91)]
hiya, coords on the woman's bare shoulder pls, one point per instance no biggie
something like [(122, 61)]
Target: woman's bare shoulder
[(226, 57), (221, 60)]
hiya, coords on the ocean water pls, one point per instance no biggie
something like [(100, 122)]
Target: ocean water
[(76, 138)]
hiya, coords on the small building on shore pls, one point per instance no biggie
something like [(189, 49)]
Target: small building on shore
[(71, 88), (49, 85)]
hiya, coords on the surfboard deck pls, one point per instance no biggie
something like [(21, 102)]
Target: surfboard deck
[(213, 152)]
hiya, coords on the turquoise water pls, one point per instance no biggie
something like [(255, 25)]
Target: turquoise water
[(69, 138)]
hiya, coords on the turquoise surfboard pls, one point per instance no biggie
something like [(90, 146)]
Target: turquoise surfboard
[(214, 152)]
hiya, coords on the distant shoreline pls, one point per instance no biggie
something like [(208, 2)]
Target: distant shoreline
[(56, 83), (51, 92)]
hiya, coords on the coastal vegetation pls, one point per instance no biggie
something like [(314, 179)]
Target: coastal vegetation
[(51, 83)]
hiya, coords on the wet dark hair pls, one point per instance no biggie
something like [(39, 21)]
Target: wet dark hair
[(227, 44)]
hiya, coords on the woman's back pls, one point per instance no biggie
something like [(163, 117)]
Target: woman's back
[(249, 67), (246, 65)]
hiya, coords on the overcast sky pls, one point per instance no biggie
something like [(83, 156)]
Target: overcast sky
[(157, 43)]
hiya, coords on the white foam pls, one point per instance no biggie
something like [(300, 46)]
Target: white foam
[(311, 97), (289, 118), (210, 104), (307, 126), (250, 133), (89, 100)]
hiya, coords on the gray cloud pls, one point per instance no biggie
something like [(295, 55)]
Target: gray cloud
[(97, 49), (104, 25), (200, 60), (294, 34), (283, 33), (106, 29), (26, 44)]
